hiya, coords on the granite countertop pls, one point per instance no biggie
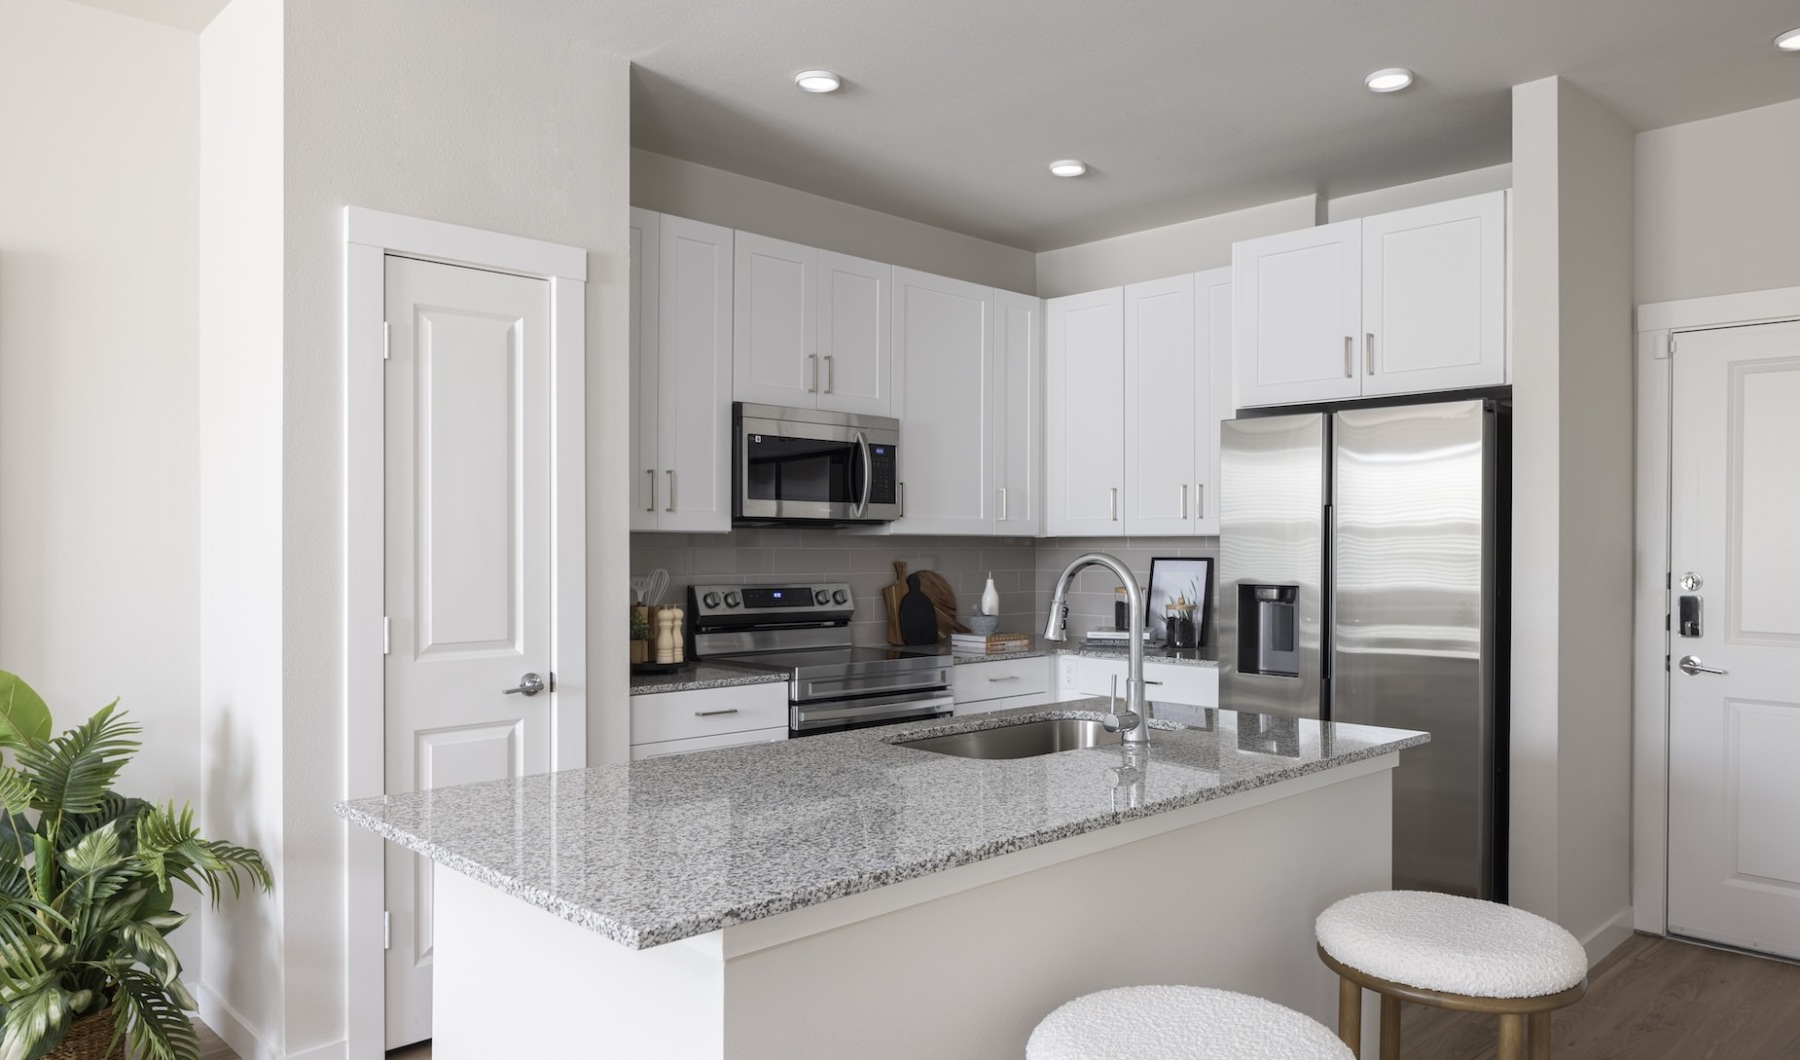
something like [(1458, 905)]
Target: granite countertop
[(662, 849), (703, 675)]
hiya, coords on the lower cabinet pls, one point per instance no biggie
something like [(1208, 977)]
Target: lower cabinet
[(1078, 677), (1001, 684), (666, 723)]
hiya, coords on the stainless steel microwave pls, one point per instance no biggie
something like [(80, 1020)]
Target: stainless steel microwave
[(800, 466)]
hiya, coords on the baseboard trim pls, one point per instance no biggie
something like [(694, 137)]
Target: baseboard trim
[(231, 1026), (1608, 937), (337, 1050)]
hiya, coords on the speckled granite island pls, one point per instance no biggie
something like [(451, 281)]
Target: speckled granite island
[(847, 895)]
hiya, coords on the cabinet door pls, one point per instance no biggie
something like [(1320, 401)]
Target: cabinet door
[(1212, 356), (1084, 429), (646, 243), (1163, 420), (1297, 311), (774, 348), (694, 377), (1434, 297), (1019, 423), (855, 331), (944, 361)]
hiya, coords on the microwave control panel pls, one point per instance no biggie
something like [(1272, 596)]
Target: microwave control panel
[(884, 471)]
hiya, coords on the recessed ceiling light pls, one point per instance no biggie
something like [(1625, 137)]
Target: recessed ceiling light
[(818, 81), (1393, 79), (1068, 167), (1789, 41)]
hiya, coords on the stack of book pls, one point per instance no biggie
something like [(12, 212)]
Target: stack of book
[(991, 644)]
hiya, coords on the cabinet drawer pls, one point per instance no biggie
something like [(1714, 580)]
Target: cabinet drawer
[(985, 706), (976, 682), (1196, 686), (707, 712), (706, 743)]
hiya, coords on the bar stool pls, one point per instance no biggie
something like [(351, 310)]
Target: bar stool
[(1179, 1023), (1454, 953)]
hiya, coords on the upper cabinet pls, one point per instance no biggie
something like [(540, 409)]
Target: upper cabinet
[(681, 277), (1084, 421), (1018, 413), (811, 328), (944, 332), (1401, 303)]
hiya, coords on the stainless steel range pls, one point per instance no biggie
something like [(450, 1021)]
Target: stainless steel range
[(803, 629)]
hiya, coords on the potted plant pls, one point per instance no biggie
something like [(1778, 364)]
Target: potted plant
[(86, 888)]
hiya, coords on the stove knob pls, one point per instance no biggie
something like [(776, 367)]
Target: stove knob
[(821, 598), (732, 600), (840, 597), (710, 599)]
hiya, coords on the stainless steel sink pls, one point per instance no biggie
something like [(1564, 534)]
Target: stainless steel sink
[(1027, 739)]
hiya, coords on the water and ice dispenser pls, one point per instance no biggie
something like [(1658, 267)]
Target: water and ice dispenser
[(1269, 629)]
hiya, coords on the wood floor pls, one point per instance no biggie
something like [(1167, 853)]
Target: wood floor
[(1652, 999)]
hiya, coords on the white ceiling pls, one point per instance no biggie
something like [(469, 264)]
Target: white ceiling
[(953, 108)]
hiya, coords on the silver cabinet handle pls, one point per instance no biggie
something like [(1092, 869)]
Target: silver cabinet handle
[(714, 713), (1184, 500), (812, 371), (998, 680), (1691, 664), (1369, 352), (1200, 501), (529, 685), (1113, 504), (830, 375), (1003, 504), (652, 473), (1349, 370), (671, 506)]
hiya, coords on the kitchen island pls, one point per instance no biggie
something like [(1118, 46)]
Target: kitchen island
[(847, 895)]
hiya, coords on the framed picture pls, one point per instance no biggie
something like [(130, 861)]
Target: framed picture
[(1181, 587)]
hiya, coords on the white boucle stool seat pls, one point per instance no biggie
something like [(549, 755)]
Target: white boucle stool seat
[(1450, 944), (1179, 1023)]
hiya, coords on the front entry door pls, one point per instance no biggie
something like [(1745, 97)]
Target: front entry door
[(468, 563), (1734, 707)]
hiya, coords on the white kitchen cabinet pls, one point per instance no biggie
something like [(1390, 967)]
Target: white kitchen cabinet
[(701, 719), (1212, 347), (646, 246), (1018, 404), (1434, 297), (944, 399), (1297, 314), (692, 491), (811, 328), (1401, 303), (1166, 418), (1079, 676), (1001, 684), (1084, 421)]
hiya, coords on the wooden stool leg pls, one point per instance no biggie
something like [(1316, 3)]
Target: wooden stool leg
[(1390, 1028), (1350, 1015), (1540, 1035), (1512, 1037)]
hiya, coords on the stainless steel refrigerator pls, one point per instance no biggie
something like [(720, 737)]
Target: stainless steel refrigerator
[(1363, 571)]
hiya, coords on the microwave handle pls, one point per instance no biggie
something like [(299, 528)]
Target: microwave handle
[(868, 474)]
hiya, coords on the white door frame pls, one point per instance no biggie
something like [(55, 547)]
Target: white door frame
[(1659, 326), (369, 236)]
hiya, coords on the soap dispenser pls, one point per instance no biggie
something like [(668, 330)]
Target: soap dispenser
[(990, 597)]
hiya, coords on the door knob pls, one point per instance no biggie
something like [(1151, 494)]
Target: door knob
[(1691, 664), (529, 685)]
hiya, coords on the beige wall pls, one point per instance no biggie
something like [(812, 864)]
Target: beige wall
[(1572, 548), (1190, 246), (1716, 205), (686, 189), (99, 443), (1420, 193)]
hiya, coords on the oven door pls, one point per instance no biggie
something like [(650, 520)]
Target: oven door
[(838, 715), (803, 466)]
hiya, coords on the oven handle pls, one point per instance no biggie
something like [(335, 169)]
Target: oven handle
[(868, 473), (903, 705)]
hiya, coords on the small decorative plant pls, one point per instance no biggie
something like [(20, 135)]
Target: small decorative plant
[(86, 890)]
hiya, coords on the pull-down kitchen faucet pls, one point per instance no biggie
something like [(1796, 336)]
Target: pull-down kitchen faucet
[(1135, 722)]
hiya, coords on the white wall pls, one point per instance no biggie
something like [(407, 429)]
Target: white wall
[(240, 424), (1572, 496), (1420, 193), (687, 189), (1189, 246), (99, 447), (1715, 205)]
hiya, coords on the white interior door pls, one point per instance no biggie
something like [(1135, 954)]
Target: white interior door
[(1734, 735), (468, 562)]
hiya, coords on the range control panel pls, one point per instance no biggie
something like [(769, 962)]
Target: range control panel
[(793, 598)]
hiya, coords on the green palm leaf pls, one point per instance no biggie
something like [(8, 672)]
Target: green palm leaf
[(152, 1021), (16, 792), (170, 845), (72, 772), (24, 719), (35, 1023)]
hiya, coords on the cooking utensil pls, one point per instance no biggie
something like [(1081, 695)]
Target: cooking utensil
[(639, 586), (658, 584)]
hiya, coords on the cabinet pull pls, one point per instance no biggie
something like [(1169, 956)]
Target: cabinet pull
[(997, 680), (1349, 369), (1200, 501), (671, 506), (1113, 503), (1184, 500), (652, 473), (714, 713), (1369, 352), (812, 371), (1003, 504), (830, 375)]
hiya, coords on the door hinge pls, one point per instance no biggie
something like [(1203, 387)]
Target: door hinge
[(1665, 664), (386, 335), (385, 630), (387, 929)]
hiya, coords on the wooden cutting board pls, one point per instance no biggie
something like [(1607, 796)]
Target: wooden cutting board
[(891, 597), (943, 598)]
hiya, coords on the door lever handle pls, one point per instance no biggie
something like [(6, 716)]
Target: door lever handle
[(529, 685), (1691, 664)]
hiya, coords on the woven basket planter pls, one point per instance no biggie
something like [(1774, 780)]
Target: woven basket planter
[(87, 1039)]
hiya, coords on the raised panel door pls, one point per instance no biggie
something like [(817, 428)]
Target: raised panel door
[(646, 247), (1019, 422), (1084, 422), (774, 350), (1434, 297), (694, 377), (855, 335), (944, 357), (1297, 316), (1163, 420)]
